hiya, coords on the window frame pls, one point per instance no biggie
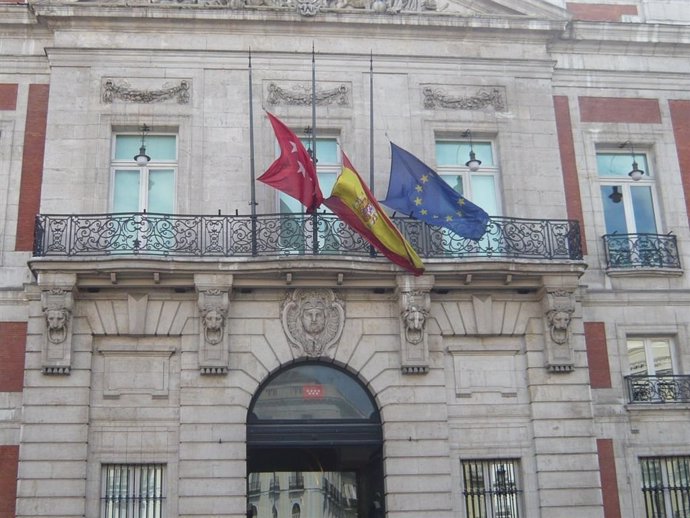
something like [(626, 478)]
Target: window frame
[(649, 356), (480, 502), (670, 492), (625, 183), (111, 503), (129, 164), (321, 169), (461, 170)]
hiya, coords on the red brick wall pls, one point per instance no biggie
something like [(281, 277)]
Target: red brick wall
[(8, 96), (617, 109), (12, 349), (680, 117), (597, 355), (564, 129), (32, 166), (9, 460), (609, 478), (600, 12)]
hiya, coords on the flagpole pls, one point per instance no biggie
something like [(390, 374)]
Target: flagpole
[(371, 122), (313, 104), (314, 231), (251, 156), (372, 250)]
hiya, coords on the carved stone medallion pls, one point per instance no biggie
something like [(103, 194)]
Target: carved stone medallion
[(313, 320)]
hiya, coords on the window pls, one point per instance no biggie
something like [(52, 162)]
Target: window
[(650, 356), (296, 512), (327, 167), (480, 187), (132, 490), (150, 187), (651, 378), (633, 232), (491, 488), (633, 212), (666, 487), (296, 234)]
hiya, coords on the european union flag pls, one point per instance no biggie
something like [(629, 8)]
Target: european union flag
[(417, 190)]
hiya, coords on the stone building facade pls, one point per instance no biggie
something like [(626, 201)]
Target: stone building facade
[(177, 340)]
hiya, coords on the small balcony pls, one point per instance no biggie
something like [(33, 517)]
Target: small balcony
[(641, 251), (658, 389), (276, 235), (296, 481)]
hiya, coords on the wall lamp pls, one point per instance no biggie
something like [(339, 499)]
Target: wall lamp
[(473, 163), (142, 158), (635, 173)]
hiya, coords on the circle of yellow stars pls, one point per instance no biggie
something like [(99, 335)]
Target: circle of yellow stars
[(419, 188)]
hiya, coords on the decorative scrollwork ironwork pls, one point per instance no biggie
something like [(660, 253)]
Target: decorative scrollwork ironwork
[(287, 235), (658, 389), (641, 251)]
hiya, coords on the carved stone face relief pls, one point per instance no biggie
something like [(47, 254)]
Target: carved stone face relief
[(414, 318), (559, 320), (313, 320), (214, 323), (56, 319)]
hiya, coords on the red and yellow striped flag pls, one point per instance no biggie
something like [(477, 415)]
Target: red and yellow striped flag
[(352, 201)]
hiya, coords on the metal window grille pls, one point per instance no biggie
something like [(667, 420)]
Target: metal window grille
[(666, 486), (132, 491), (491, 488)]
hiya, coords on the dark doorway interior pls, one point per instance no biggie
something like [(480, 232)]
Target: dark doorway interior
[(314, 446)]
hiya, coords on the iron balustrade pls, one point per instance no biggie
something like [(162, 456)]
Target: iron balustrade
[(658, 389), (641, 251), (277, 235)]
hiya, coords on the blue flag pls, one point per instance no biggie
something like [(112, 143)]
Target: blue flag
[(418, 191)]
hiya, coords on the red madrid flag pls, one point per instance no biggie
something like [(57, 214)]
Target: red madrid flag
[(293, 172)]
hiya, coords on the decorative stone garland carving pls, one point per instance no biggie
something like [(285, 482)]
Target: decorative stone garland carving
[(415, 306), (300, 95), (313, 320), (307, 8), (560, 306), (57, 304), (438, 98), (213, 302), (123, 91)]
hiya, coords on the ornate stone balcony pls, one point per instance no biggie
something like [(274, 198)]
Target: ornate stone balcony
[(658, 389), (625, 251), (281, 235)]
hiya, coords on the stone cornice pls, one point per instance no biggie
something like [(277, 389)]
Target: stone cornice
[(603, 34), (74, 14), (471, 274)]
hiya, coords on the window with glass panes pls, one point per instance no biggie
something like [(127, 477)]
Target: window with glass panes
[(132, 490), (480, 187), (634, 211), (666, 486), (295, 236), (650, 356), (327, 168), (491, 488), (150, 187)]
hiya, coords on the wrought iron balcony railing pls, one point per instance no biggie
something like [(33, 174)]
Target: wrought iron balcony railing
[(641, 251), (658, 389), (288, 234)]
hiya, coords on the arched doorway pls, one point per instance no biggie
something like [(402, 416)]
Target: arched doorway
[(314, 446)]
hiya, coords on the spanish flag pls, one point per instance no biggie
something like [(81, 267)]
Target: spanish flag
[(353, 203)]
